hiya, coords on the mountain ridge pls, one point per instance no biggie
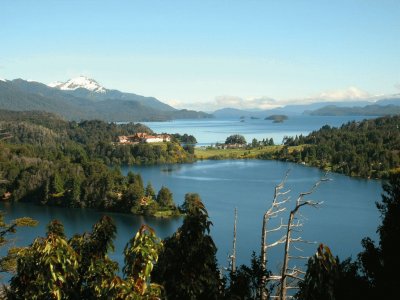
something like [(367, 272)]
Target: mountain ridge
[(78, 103), (299, 109)]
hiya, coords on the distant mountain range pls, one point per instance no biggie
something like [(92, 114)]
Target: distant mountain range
[(83, 98), (378, 107), (368, 110)]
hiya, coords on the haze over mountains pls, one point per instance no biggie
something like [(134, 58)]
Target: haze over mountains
[(375, 107), (84, 98)]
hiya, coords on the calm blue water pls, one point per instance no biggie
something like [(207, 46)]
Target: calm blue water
[(210, 131), (347, 215)]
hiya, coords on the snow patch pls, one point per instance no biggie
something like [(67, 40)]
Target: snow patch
[(79, 82), (55, 84), (4, 80)]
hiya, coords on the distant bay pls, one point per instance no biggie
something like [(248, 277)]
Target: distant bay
[(211, 131)]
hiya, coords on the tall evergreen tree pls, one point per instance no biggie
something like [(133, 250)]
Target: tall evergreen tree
[(187, 267), (164, 197), (381, 264), (149, 192)]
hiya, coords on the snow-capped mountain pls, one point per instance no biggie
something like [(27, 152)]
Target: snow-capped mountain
[(79, 82)]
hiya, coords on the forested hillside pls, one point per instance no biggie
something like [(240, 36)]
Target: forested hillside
[(370, 148), (47, 160)]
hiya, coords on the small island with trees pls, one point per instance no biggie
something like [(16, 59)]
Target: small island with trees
[(277, 118)]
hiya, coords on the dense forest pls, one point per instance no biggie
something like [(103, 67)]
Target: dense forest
[(47, 160), (370, 148)]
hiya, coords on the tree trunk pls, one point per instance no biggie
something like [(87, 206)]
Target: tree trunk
[(282, 293), (233, 258), (263, 254)]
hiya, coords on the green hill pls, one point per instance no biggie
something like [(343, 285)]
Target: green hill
[(370, 148)]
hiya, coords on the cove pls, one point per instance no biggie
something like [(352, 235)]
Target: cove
[(347, 214)]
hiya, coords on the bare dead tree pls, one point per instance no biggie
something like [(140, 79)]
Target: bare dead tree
[(293, 275), (233, 256), (274, 210)]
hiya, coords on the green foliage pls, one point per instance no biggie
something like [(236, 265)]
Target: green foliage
[(8, 262), (328, 278), (55, 227), (141, 253), (374, 275), (244, 283), (54, 268), (319, 281), (164, 197), (185, 138), (149, 192), (367, 149), (187, 266), (57, 186), (235, 139), (53, 162), (48, 269), (95, 269), (380, 264)]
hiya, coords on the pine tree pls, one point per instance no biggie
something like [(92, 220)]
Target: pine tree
[(164, 197), (149, 192), (381, 263), (187, 267)]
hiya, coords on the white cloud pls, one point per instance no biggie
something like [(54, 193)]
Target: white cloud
[(351, 93), (175, 103), (249, 103), (397, 86), (228, 101)]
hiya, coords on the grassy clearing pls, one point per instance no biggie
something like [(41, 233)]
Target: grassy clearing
[(202, 153), (166, 213), (213, 153)]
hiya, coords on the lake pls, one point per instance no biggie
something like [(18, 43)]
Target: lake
[(210, 131), (347, 214)]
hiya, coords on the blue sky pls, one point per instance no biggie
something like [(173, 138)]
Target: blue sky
[(208, 54)]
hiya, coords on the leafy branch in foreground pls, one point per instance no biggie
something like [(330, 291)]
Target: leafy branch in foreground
[(8, 262), (53, 267)]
